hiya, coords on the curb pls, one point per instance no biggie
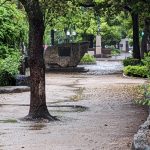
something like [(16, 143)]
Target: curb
[(14, 89)]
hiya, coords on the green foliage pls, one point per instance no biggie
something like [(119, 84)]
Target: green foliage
[(5, 51), (144, 91), (9, 69), (136, 71), (87, 58), (13, 27), (115, 51), (131, 61), (146, 62)]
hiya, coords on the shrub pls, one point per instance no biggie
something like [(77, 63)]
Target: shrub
[(131, 62), (144, 91), (87, 58), (136, 71), (9, 69), (146, 62), (115, 51)]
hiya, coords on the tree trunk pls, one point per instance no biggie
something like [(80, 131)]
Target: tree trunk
[(144, 43), (38, 108), (91, 39), (136, 46), (52, 37)]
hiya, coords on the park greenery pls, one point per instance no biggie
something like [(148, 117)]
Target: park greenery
[(83, 19), (137, 68), (13, 31), (88, 59)]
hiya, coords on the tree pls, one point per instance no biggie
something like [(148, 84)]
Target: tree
[(38, 107), (132, 6), (145, 28)]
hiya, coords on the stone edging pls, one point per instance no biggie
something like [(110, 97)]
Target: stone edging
[(14, 89)]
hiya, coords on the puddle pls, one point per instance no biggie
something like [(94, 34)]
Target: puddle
[(9, 121)]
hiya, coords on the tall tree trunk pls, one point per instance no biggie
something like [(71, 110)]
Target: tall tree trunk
[(136, 46), (52, 37), (38, 108), (144, 40), (144, 43), (91, 39)]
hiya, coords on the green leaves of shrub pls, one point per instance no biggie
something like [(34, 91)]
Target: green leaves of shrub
[(136, 71), (87, 58), (13, 26), (145, 92), (115, 52), (146, 62), (9, 69), (131, 61)]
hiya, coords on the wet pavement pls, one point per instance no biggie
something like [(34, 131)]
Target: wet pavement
[(104, 67), (96, 112)]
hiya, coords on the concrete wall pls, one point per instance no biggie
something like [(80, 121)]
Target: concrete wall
[(124, 45)]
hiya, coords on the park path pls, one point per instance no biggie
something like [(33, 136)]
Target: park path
[(108, 120)]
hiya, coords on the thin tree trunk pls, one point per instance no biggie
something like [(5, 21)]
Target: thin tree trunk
[(38, 108), (52, 37), (144, 44), (136, 46)]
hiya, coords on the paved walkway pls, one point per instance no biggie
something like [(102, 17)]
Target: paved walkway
[(120, 57), (109, 123)]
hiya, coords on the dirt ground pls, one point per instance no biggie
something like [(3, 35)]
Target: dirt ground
[(107, 120)]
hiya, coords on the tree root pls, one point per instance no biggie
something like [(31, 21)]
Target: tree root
[(40, 118)]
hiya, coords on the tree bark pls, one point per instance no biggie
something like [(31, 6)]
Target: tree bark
[(38, 108), (52, 37), (144, 43), (136, 46)]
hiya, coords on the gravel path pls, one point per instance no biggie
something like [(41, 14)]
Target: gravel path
[(109, 122)]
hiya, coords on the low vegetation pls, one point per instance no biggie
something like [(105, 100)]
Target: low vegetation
[(115, 52), (12, 33), (88, 59), (144, 95), (137, 68)]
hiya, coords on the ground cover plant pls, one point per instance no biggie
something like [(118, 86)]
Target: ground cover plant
[(144, 95), (115, 52), (87, 59), (137, 68)]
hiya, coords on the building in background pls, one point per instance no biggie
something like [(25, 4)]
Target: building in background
[(124, 45)]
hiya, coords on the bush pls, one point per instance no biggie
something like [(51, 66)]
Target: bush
[(87, 58), (131, 62), (136, 71), (146, 62), (115, 51), (7, 79), (9, 69), (144, 91)]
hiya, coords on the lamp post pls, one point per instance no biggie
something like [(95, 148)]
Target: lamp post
[(70, 35)]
